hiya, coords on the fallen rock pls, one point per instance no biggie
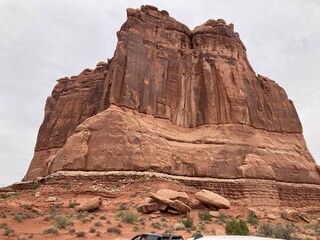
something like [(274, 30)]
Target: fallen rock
[(167, 205), (214, 214), (290, 215), (160, 199), (180, 206), (212, 199), (90, 205), (305, 217), (51, 199), (173, 195), (148, 207), (271, 216), (256, 213)]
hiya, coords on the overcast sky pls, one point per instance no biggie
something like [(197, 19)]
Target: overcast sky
[(42, 41)]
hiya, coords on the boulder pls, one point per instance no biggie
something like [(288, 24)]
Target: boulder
[(148, 207), (212, 199), (173, 195), (180, 206), (159, 199), (271, 216), (305, 217), (256, 213), (290, 215), (214, 214), (90, 205)]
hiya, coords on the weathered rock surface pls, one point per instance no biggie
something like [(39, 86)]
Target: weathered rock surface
[(90, 205), (175, 101), (168, 205), (290, 215), (212, 199), (256, 213), (173, 195), (148, 207)]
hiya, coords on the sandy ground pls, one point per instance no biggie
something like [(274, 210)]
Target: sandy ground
[(26, 214)]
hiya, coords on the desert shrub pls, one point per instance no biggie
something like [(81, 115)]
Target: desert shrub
[(103, 217), (98, 224), (205, 216), (2, 214), (19, 217), (2, 225), (277, 231), (72, 203), (136, 228), (133, 195), (92, 230), (34, 185), (122, 207), (53, 209), (82, 214), (201, 227), (66, 186), (251, 218), (127, 216), (62, 221), (50, 230), (142, 221), (156, 225), (235, 227), (168, 230), (179, 226), (8, 231), (265, 230), (114, 230), (72, 230), (80, 234), (222, 218), (188, 222)]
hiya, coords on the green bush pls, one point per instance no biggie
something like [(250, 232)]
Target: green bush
[(179, 226), (188, 222), (80, 234), (52, 230), (156, 225), (235, 227), (122, 207), (222, 218), (127, 216), (114, 230), (72, 203), (98, 224), (2, 225), (277, 231), (62, 221), (205, 216), (252, 219)]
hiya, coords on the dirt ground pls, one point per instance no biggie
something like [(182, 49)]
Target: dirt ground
[(47, 211)]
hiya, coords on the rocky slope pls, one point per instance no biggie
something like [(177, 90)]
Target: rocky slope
[(176, 101)]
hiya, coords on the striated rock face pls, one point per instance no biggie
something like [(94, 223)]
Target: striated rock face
[(175, 101)]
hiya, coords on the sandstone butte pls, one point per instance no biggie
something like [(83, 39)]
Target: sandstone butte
[(184, 103)]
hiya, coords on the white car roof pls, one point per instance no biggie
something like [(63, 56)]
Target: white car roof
[(231, 237)]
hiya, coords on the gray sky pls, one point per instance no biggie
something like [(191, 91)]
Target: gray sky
[(42, 41)]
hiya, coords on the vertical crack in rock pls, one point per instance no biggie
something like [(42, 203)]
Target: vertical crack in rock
[(175, 101)]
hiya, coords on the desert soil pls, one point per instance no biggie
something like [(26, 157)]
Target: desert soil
[(28, 213)]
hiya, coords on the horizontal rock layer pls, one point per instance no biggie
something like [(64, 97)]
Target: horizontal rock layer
[(175, 101)]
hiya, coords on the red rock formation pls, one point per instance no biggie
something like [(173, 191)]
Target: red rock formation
[(174, 101)]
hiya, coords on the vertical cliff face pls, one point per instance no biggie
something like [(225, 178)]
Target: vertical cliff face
[(176, 101)]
